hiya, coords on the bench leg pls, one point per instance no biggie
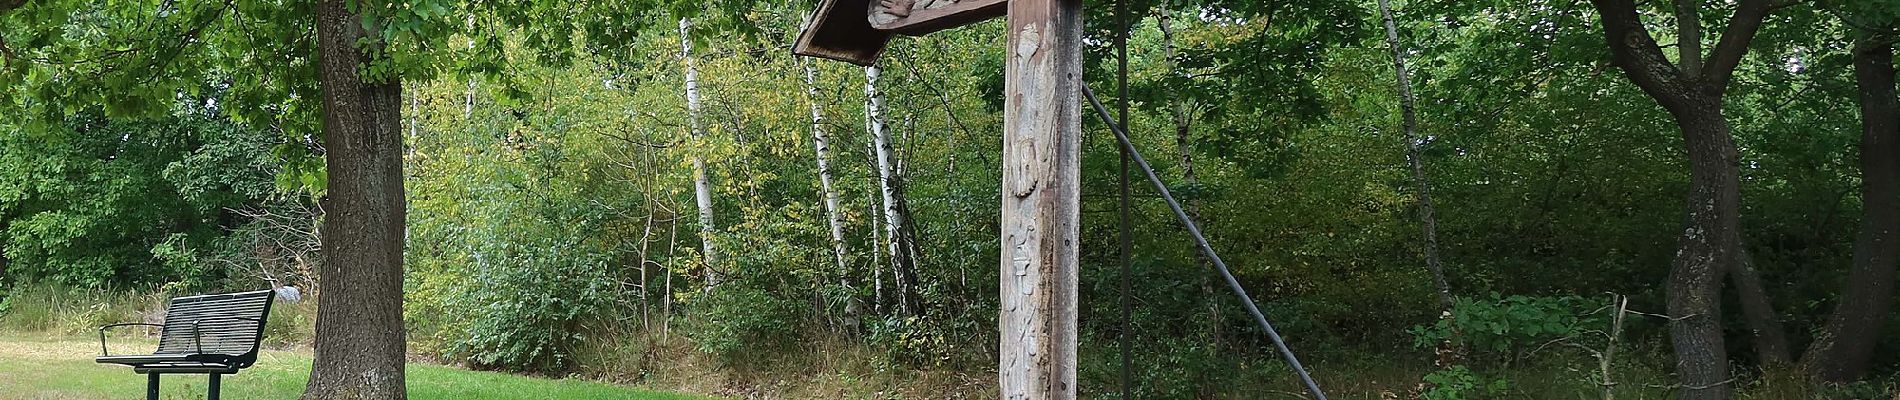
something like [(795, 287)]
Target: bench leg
[(151, 386), (212, 392)]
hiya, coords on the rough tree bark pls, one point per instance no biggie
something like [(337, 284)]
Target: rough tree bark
[(1428, 221), (1041, 205), (1845, 346), (702, 187), (1692, 94), (360, 341)]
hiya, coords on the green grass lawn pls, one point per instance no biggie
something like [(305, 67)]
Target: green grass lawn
[(61, 368)]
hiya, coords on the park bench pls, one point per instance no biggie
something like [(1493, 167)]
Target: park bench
[(214, 334)]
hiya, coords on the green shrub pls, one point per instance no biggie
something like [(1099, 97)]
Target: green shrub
[(911, 341), (524, 309), (741, 318), (1501, 328), (1459, 383)]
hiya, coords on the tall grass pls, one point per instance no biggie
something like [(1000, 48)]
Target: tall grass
[(49, 309), (55, 309)]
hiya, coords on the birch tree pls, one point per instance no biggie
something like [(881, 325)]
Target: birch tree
[(890, 188), (1422, 186), (702, 187), (821, 146), (1181, 112)]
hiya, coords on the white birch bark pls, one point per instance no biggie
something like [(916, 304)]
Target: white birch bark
[(822, 146), (1447, 349), (887, 183), (1414, 155), (702, 187)]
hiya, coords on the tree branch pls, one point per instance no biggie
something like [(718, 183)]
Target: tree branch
[(1689, 37), (1634, 49), (1741, 31)]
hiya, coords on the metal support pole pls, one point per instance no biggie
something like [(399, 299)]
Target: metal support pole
[(211, 393), (1121, 134), (151, 386)]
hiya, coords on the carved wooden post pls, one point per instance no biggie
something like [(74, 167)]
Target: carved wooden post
[(1041, 199), (1042, 165)]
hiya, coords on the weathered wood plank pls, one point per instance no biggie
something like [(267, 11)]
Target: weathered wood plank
[(840, 31), (1041, 200), (922, 17)]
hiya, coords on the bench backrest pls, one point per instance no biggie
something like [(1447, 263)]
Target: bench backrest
[(231, 323)]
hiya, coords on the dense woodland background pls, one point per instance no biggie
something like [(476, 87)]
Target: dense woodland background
[(549, 160)]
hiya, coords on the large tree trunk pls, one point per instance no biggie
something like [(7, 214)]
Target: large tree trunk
[(1844, 348), (702, 187), (1707, 249), (890, 187), (360, 342)]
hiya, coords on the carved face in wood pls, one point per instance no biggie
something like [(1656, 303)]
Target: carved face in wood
[(884, 12)]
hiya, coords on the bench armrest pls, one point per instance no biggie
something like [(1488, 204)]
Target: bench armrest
[(197, 338), (102, 334)]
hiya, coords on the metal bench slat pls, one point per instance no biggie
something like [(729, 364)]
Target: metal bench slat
[(217, 328)]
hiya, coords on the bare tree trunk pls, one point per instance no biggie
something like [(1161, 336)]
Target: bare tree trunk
[(702, 187), (5, 222), (1041, 203), (360, 346), (877, 241), (889, 186), (822, 147), (1608, 358), (1183, 117), (646, 238), (1709, 243), (1407, 105), (666, 299), (1764, 326), (1847, 344), (1448, 351), (468, 101)]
